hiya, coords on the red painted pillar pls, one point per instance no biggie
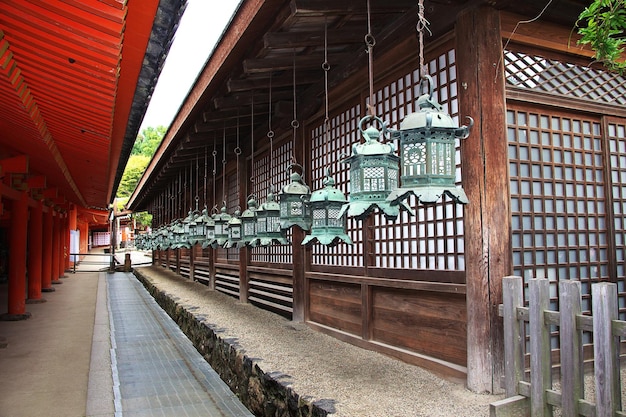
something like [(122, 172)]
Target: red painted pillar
[(35, 248), (46, 264), (17, 263), (72, 226), (56, 256), (64, 246)]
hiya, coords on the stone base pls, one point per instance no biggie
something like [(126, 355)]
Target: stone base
[(48, 289), (14, 317), (3, 342), (57, 282), (64, 276), (35, 300)]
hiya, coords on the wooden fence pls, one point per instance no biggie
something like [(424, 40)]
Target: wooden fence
[(533, 393)]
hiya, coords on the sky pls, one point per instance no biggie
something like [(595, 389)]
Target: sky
[(200, 28)]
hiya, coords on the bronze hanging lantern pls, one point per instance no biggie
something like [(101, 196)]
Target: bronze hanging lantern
[(221, 227), (234, 230), (329, 224), (293, 199), (209, 222), (373, 175), (268, 223), (427, 152), (249, 223), (197, 227)]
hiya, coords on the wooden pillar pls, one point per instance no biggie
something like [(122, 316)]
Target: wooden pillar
[(46, 264), (64, 241), (56, 256), (485, 173), (212, 267), (17, 263), (35, 254)]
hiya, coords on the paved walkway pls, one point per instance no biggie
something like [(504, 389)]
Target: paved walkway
[(83, 353)]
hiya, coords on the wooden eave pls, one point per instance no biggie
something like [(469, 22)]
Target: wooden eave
[(68, 77), (259, 48)]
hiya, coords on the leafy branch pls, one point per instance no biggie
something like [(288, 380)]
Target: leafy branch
[(602, 26)]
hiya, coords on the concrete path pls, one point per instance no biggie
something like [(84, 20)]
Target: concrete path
[(85, 354)]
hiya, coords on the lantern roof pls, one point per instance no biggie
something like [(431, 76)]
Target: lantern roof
[(328, 193)]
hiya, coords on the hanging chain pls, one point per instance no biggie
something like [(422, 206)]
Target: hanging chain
[(214, 153), (197, 182), (294, 123), (270, 133), (369, 43), (326, 68), (237, 153), (422, 24), (252, 141), (224, 166), (206, 151)]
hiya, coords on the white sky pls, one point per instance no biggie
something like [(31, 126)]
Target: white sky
[(200, 28)]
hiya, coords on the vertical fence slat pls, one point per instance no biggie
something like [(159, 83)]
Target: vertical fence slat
[(605, 349), (540, 369), (512, 297), (570, 303)]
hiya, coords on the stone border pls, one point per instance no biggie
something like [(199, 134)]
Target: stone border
[(265, 394)]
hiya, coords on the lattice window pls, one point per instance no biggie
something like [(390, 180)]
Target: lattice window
[(557, 198), (616, 133), (433, 239), (551, 76), (343, 133), (271, 170)]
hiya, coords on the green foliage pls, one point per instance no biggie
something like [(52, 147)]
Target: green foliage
[(144, 219), (602, 26), (132, 174), (148, 141)]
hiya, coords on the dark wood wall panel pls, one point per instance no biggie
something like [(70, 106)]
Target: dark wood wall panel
[(337, 305), (425, 322)]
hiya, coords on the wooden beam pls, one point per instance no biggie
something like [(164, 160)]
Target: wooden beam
[(262, 81), (328, 7), (37, 181), (485, 167), (286, 62), (51, 193), (274, 40), (15, 165)]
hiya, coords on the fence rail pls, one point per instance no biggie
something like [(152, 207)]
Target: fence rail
[(533, 394), (83, 259)]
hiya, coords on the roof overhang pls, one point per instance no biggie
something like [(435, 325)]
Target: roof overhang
[(75, 80)]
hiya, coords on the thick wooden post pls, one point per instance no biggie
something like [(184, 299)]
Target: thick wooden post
[(17, 265), (572, 372), (64, 242), (35, 254), (485, 175), (46, 265), (56, 256), (540, 365)]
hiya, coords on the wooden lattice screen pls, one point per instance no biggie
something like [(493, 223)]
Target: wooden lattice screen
[(433, 239), (566, 79), (272, 170), (559, 228)]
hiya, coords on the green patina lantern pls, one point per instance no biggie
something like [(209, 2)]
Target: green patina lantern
[(373, 175), (181, 238), (197, 228), (234, 230), (268, 228), (249, 223), (428, 152), (209, 222), (329, 224), (168, 241), (293, 199), (221, 227)]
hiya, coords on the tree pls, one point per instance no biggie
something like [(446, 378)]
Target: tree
[(132, 174), (148, 141), (602, 26)]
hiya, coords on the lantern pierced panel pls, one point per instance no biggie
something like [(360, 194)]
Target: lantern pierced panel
[(433, 239), (538, 73), (271, 170), (327, 152), (558, 222)]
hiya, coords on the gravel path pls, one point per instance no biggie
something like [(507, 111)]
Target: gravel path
[(359, 382)]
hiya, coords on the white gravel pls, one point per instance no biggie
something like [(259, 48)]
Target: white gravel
[(361, 383)]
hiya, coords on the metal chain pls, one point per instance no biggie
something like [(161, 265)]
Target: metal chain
[(294, 123), (326, 68), (369, 43)]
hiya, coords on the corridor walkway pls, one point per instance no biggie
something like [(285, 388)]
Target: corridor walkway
[(83, 353)]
